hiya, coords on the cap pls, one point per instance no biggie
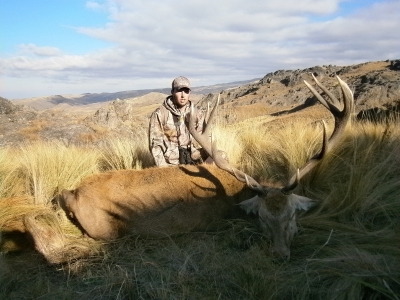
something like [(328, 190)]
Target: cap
[(180, 82)]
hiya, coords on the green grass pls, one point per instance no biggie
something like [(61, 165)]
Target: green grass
[(348, 246)]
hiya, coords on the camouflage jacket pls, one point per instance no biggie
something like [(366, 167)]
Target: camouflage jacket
[(168, 131)]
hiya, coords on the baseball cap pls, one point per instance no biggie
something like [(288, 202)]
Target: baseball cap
[(180, 82)]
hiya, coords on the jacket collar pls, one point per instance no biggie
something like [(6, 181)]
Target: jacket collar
[(170, 105)]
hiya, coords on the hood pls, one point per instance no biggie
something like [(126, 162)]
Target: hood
[(169, 104)]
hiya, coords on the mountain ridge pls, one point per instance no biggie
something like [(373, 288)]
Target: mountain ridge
[(279, 94), (51, 101)]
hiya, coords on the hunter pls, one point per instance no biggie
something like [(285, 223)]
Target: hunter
[(169, 139)]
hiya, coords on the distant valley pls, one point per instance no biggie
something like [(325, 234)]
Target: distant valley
[(97, 99)]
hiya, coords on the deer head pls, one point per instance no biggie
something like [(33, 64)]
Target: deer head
[(276, 207)]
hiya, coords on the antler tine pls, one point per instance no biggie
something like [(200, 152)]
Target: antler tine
[(332, 97), (211, 116), (316, 94), (203, 138), (240, 175), (342, 118), (210, 147), (207, 116), (309, 165)]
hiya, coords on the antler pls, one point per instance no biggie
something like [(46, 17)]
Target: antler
[(205, 140), (341, 117)]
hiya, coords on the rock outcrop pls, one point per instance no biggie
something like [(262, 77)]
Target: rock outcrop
[(376, 87), (374, 84)]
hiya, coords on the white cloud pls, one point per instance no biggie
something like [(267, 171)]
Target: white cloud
[(94, 5), (213, 41), (31, 49)]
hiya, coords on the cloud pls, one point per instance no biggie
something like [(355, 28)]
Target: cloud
[(32, 49), (94, 5), (215, 41)]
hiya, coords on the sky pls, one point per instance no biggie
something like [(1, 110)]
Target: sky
[(50, 47)]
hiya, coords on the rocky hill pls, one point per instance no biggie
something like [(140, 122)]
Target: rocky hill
[(376, 87), (89, 119)]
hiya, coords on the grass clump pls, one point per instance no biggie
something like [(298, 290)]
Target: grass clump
[(42, 169), (125, 153), (347, 246)]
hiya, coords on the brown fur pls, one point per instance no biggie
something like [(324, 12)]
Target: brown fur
[(155, 201)]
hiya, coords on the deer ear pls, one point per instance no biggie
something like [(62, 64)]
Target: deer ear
[(251, 205), (301, 202)]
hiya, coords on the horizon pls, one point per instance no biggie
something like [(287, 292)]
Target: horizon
[(77, 47)]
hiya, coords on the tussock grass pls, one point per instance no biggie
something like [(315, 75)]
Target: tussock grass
[(42, 169), (348, 246), (8, 180), (273, 151), (228, 139), (125, 153), (362, 177)]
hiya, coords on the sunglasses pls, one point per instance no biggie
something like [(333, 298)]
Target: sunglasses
[(185, 90)]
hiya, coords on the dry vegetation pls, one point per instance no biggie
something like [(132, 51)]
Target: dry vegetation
[(32, 131), (348, 247)]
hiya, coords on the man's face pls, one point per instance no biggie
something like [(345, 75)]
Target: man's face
[(181, 97)]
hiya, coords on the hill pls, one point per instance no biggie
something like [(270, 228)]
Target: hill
[(89, 118), (90, 100)]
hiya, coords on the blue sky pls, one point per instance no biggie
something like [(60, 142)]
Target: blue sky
[(73, 46), (48, 23)]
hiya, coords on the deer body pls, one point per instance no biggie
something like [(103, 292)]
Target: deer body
[(164, 201), (155, 201)]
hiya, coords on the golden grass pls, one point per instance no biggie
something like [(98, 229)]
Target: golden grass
[(347, 246), (42, 169), (125, 153), (270, 149)]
